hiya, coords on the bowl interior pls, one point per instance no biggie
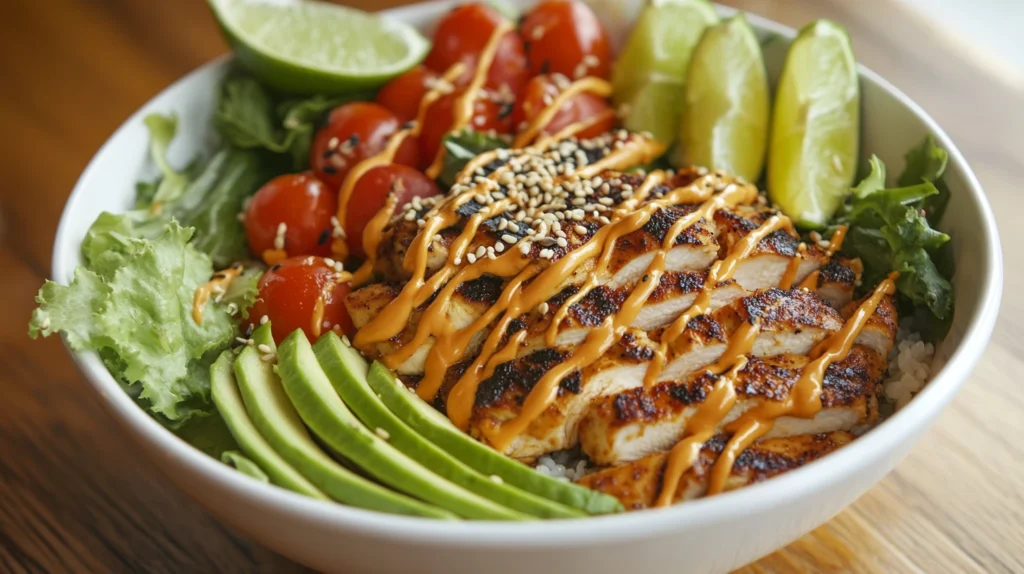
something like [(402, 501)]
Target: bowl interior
[(891, 124)]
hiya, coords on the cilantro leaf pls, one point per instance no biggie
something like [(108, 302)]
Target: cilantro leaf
[(462, 147)]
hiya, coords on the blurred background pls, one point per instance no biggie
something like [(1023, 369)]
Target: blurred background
[(76, 496)]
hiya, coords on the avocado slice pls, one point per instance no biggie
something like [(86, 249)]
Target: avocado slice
[(327, 416), (275, 418), (436, 428), (347, 370), (232, 410)]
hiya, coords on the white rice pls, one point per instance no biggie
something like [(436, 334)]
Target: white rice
[(563, 465), (910, 366)]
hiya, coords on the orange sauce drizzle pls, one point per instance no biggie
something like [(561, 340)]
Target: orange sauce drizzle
[(463, 111), (316, 320), (810, 283), (218, 283), (699, 429), (274, 256), (794, 266), (338, 247), (372, 234), (804, 400), (836, 242), (590, 84)]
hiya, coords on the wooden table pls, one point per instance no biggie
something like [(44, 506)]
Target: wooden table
[(77, 495)]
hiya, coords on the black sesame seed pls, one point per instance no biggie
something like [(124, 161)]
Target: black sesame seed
[(353, 140), (275, 267), (328, 153), (330, 170), (324, 236), (545, 66)]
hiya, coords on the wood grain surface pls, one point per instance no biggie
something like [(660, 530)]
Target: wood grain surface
[(77, 495)]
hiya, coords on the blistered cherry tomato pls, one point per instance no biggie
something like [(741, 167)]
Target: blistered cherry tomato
[(402, 95), (579, 108), (288, 294), (463, 34), (299, 202), (488, 115), (565, 37), (371, 192), (354, 132)]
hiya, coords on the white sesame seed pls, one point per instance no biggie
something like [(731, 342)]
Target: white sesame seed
[(499, 247), (562, 242), (382, 433), (543, 308), (264, 319), (524, 248), (263, 348), (239, 340), (497, 479), (546, 253), (508, 239), (471, 258), (268, 358)]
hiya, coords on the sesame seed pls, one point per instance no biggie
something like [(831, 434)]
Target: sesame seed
[(562, 242), (497, 479), (263, 348), (499, 247), (546, 253), (239, 340), (264, 319), (543, 308), (268, 358), (471, 258), (381, 433), (508, 239), (524, 248)]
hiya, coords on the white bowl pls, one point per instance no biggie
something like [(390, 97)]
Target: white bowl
[(708, 535)]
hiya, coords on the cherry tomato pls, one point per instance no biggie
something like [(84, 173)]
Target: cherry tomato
[(565, 37), (402, 95), (288, 294), (354, 132), (299, 201), (464, 33), (579, 108), (371, 192), (487, 115)]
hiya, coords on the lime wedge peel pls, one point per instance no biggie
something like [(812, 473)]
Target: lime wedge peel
[(650, 73), (309, 47), (726, 108), (812, 155)]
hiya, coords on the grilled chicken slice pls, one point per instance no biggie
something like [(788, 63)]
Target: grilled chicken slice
[(641, 421), (791, 322), (637, 484), (837, 280)]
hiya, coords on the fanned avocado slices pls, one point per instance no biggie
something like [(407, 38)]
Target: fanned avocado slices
[(278, 422), (347, 372), (326, 415)]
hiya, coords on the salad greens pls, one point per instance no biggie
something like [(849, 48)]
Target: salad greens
[(248, 117), (890, 229), (462, 147), (132, 302)]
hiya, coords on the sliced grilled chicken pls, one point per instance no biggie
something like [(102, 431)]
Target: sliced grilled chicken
[(636, 484), (791, 322), (838, 279), (641, 421)]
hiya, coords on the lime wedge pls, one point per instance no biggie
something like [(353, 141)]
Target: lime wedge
[(649, 73), (812, 156), (315, 47), (725, 106)]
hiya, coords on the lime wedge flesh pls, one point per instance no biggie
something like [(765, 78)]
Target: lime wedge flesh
[(315, 47), (650, 72), (812, 154), (725, 106)]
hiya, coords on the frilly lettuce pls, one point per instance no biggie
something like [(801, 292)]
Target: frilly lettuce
[(132, 303)]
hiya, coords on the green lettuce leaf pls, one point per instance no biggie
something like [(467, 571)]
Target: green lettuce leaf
[(927, 162), (890, 231), (462, 147), (134, 306), (248, 117)]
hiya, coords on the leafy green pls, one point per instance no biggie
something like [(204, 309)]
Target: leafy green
[(245, 465), (462, 147), (132, 302), (927, 162), (208, 433), (248, 117), (206, 196), (890, 230), (243, 290)]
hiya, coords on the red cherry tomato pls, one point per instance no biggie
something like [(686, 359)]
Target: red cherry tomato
[(288, 294), (371, 192), (579, 108), (565, 37), (488, 115), (463, 34), (402, 95), (354, 132), (299, 201)]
